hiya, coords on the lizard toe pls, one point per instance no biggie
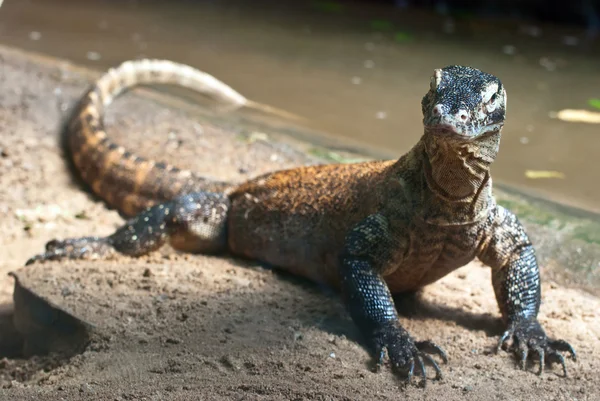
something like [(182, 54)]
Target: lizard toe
[(530, 340), (408, 358), (73, 248)]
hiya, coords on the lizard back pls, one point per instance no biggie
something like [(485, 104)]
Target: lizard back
[(297, 219)]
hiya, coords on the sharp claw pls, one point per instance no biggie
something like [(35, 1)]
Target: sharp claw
[(422, 368), (51, 245), (524, 352), (381, 356), (40, 258), (379, 362), (554, 356), (529, 337), (542, 359), (562, 345), (432, 348), (406, 355), (433, 363), (411, 370), (564, 366), (503, 340)]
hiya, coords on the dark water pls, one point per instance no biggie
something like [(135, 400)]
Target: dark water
[(354, 71)]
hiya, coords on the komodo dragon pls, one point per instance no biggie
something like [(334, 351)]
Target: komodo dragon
[(369, 229)]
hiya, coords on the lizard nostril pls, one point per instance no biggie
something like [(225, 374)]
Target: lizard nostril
[(437, 109), (463, 115)]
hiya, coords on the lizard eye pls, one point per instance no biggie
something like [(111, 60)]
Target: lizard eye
[(491, 104)]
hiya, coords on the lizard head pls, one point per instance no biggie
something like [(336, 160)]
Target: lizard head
[(463, 102)]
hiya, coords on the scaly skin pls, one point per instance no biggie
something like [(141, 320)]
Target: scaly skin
[(125, 181), (368, 229)]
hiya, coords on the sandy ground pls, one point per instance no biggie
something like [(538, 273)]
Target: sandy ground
[(185, 327)]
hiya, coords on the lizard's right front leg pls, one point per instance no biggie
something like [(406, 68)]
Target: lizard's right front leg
[(193, 223), (370, 303)]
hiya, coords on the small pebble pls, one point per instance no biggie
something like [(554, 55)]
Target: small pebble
[(532, 30), (136, 37), (548, 64), (449, 26), (86, 388), (570, 40), (93, 56), (509, 49), (35, 35)]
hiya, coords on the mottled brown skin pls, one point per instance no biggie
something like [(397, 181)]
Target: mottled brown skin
[(368, 229), (310, 229), (124, 180)]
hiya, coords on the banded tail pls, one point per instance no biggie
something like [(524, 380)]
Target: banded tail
[(124, 180)]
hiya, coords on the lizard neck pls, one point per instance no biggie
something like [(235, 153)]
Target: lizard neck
[(457, 188)]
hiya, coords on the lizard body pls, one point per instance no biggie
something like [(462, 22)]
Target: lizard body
[(369, 229)]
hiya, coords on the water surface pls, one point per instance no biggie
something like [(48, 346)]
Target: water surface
[(353, 71)]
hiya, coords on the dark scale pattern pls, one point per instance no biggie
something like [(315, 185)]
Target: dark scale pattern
[(193, 223), (367, 296), (370, 304), (369, 229), (517, 286), (368, 237), (516, 281), (458, 92)]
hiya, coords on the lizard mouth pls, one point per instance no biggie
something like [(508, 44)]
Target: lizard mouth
[(444, 129), (449, 130)]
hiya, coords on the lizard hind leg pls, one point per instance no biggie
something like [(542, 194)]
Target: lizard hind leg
[(198, 223), (195, 222)]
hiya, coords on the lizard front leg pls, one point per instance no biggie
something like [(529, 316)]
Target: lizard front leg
[(370, 303), (194, 223), (516, 281)]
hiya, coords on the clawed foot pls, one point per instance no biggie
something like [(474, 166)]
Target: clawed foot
[(528, 338), (74, 248), (405, 354)]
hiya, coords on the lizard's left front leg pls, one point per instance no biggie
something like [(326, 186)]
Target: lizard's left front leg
[(370, 303), (516, 281)]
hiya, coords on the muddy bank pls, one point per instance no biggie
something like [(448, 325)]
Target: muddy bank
[(174, 326)]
